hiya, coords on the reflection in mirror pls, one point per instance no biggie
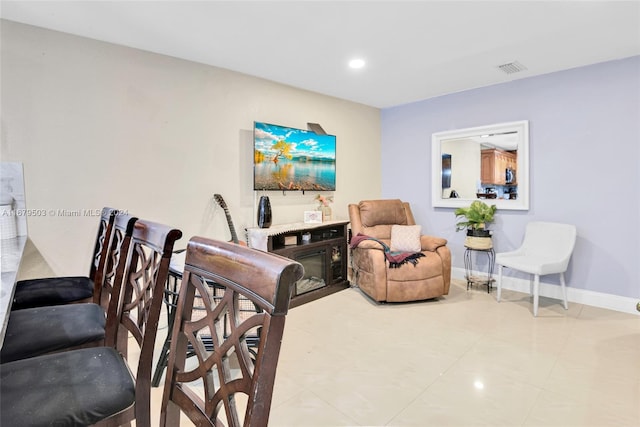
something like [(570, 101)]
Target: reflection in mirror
[(446, 171), (486, 162)]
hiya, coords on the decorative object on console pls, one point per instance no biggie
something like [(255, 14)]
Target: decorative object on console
[(325, 207), (264, 212), (474, 219), (327, 215), (293, 159), (312, 217)]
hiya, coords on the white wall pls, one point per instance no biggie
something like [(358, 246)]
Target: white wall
[(97, 124)]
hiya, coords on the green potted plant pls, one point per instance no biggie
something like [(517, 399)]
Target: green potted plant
[(474, 219)]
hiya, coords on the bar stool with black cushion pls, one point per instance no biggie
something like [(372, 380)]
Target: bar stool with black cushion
[(95, 386), (224, 385), (36, 331), (70, 289)]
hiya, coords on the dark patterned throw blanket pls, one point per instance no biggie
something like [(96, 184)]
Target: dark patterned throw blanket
[(396, 259)]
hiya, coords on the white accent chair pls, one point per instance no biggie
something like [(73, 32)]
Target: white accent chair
[(546, 249)]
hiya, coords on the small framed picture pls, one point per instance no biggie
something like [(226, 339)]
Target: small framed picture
[(313, 217)]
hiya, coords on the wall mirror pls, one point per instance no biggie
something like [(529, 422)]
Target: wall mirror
[(490, 163)]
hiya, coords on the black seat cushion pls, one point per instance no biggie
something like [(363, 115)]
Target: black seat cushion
[(37, 331), (72, 388), (51, 291)]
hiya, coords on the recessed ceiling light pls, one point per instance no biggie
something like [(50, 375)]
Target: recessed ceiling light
[(356, 63)]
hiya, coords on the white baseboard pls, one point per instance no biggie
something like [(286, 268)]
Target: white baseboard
[(579, 296)]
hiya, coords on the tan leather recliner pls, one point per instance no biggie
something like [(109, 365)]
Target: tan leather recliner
[(429, 278)]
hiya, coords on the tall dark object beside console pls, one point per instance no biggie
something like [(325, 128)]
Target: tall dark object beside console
[(264, 212)]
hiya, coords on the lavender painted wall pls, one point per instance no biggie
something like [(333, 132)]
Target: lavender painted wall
[(584, 164)]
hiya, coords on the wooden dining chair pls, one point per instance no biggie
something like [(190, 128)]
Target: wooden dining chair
[(138, 312), (36, 331), (172, 291), (68, 289), (97, 385), (224, 384)]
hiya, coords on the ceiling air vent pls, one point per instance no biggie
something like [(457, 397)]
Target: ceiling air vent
[(512, 67)]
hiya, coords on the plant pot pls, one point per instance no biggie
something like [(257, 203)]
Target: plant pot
[(478, 239), (478, 233)]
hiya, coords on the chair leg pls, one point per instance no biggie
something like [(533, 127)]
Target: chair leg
[(564, 291), (531, 280), (162, 361), (499, 293), (536, 289)]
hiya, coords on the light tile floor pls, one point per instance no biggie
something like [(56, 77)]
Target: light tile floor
[(461, 360)]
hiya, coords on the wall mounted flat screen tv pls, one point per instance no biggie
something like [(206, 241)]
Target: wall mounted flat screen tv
[(286, 158)]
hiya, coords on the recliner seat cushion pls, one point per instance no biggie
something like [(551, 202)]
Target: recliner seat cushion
[(51, 291), (428, 266), (73, 388), (37, 331)]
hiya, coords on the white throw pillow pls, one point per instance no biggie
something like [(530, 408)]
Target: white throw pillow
[(405, 238)]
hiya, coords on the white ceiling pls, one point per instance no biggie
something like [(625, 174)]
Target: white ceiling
[(414, 49)]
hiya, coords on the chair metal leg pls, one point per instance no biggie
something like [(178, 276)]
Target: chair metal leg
[(564, 291), (162, 361), (536, 291), (499, 282)]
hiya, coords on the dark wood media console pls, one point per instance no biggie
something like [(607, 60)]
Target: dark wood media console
[(322, 250)]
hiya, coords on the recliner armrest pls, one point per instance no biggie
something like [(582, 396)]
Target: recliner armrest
[(431, 243), (370, 244)]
